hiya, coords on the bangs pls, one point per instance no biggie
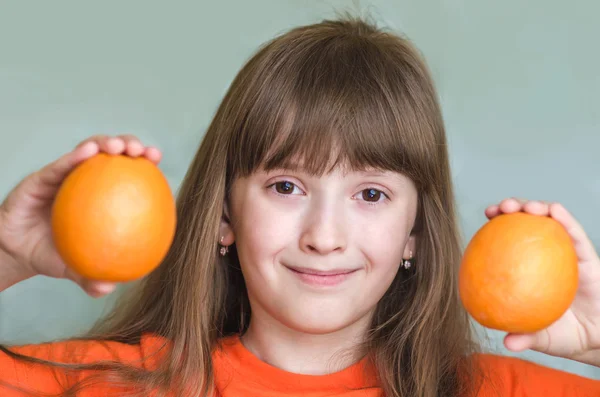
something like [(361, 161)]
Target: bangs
[(337, 102)]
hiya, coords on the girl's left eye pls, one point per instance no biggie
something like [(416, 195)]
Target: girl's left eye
[(372, 196)]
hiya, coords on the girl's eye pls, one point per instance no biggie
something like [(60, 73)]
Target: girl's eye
[(286, 187), (372, 195)]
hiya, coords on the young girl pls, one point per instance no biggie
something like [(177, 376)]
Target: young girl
[(316, 252)]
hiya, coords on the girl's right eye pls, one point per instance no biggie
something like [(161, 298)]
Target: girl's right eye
[(285, 188)]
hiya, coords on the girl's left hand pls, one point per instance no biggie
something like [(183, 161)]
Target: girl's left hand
[(576, 335)]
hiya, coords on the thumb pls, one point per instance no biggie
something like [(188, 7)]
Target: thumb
[(53, 174), (43, 184), (93, 288), (538, 341)]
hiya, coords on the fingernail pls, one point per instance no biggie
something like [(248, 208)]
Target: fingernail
[(89, 148), (136, 148), (153, 153), (104, 288), (116, 144)]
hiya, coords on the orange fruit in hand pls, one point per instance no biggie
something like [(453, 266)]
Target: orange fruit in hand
[(519, 273), (114, 218)]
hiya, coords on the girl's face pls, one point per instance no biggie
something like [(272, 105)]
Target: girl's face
[(318, 253)]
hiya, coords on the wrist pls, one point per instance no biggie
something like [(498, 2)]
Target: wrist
[(11, 271)]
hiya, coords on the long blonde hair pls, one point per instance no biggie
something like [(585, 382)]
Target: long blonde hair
[(340, 84)]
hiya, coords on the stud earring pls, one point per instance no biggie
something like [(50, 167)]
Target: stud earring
[(224, 249), (406, 263)]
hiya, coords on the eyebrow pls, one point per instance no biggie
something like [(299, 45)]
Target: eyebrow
[(366, 173), (401, 178), (374, 173), (377, 173)]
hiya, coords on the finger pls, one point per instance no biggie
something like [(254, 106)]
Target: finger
[(133, 146), (538, 341), (492, 211), (97, 289), (508, 205), (93, 138), (541, 208), (112, 145), (511, 205), (153, 154), (583, 245), (93, 288)]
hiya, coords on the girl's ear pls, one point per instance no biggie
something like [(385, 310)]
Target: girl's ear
[(226, 235), (410, 248)]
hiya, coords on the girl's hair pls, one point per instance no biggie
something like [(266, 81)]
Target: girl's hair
[(334, 93)]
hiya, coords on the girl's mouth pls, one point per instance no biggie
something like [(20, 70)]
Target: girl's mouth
[(323, 278)]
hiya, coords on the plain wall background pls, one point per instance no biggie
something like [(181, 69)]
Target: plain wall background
[(519, 84)]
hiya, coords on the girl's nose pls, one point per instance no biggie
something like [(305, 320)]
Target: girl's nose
[(325, 230)]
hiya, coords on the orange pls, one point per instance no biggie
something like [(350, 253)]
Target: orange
[(114, 218), (519, 273)]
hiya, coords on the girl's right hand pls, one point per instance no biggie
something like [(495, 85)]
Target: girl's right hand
[(25, 231)]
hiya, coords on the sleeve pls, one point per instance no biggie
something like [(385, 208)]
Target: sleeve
[(514, 377), (23, 371)]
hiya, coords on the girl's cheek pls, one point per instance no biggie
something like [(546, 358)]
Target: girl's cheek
[(382, 238)]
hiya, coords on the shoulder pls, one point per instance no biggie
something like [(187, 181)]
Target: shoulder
[(512, 376), (84, 351), (35, 366)]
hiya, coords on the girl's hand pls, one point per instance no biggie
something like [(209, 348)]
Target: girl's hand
[(25, 229), (576, 335)]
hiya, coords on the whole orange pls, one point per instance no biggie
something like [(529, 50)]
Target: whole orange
[(114, 218), (519, 273)]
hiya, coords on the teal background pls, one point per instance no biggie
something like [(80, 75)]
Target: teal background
[(519, 84)]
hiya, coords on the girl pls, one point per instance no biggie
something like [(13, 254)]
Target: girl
[(316, 252)]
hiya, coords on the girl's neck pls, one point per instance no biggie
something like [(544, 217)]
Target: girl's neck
[(303, 353)]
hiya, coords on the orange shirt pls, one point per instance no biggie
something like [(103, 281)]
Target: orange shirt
[(239, 373)]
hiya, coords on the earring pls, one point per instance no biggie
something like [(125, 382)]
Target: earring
[(406, 263), (224, 249)]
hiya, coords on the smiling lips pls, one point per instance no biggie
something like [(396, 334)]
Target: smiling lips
[(324, 278)]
